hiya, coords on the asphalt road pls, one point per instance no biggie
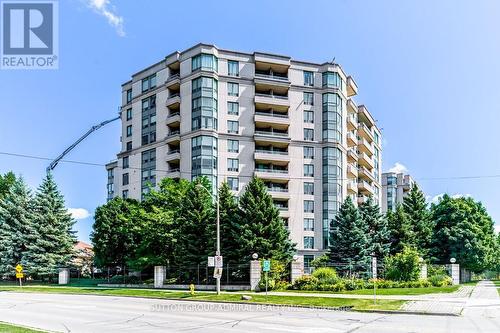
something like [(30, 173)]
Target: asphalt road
[(84, 313)]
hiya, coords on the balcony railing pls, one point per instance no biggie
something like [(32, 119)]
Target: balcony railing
[(174, 170), (173, 114), (268, 151), (271, 96), (174, 132), (272, 133), (273, 76), (271, 170), (277, 189), (174, 95), (173, 77), (174, 151), (272, 114)]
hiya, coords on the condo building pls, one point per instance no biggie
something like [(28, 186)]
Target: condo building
[(395, 186), (231, 115)]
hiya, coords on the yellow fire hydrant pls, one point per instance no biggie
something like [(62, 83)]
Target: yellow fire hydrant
[(191, 289)]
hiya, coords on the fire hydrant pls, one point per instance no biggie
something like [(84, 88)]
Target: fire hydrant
[(191, 289)]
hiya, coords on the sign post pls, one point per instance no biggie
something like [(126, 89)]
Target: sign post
[(19, 274), (374, 276), (266, 267)]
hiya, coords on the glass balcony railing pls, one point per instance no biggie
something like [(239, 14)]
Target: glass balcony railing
[(269, 151), (272, 114)]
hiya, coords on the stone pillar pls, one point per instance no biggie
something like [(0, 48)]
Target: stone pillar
[(63, 275), (255, 274), (160, 275), (423, 271), (455, 274), (297, 268)]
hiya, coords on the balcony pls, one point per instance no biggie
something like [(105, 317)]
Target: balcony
[(352, 186), (352, 122), (365, 132), (278, 193), (173, 136), (365, 116), (271, 69), (365, 173), (351, 139), (173, 100), (174, 118), (270, 117), (174, 81), (271, 135), (173, 155), (365, 187), (352, 87), (365, 146), (352, 171), (268, 155), (352, 155), (362, 198), (365, 160), (271, 171), (352, 108), (269, 96)]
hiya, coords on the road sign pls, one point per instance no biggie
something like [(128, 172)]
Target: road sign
[(266, 265), (218, 262), (217, 273), (19, 268), (19, 275), (211, 261)]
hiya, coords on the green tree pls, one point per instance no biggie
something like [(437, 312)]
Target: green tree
[(6, 182), (262, 229), (196, 224), (463, 230), (400, 230), (230, 225), (168, 196), (115, 232), (51, 243), (16, 222), (349, 244), (417, 212), (378, 235), (403, 266)]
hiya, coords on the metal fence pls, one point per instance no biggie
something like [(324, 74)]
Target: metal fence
[(232, 274)]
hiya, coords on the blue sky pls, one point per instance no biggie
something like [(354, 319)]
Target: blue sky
[(427, 70)]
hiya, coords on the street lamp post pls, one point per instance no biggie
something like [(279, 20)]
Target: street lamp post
[(217, 251)]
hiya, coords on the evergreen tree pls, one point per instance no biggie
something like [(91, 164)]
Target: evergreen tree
[(262, 229), (400, 230), (415, 207), (348, 242), (378, 234), (196, 225), (6, 182), (230, 226), (51, 244), (16, 223)]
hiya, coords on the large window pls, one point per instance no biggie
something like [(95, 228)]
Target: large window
[(332, 80), (148, 120), (204, 158), (308, 170), (233, 126), (308, 78), (332, 117), (233, 89), (308, 98), (233, 108), (207, 62), (308, 152), (125, 162), (233, 68), (125, 179), (332, 188), (233, 146), (148, 170), (308, 242), (204, 103), (232, 164), (308, 224), (149, 83)]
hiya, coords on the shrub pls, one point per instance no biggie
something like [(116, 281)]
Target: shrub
[(403, 266), (275, 278), (305, 282), (326, 275), (321, 261), (440, 280)]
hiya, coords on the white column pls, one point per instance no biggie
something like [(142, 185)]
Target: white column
[(423, 271), (297, 268), (455, 274), (255, 274), (160, 274), (63, 275)]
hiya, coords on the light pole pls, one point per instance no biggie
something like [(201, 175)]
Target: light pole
[(217, 251)]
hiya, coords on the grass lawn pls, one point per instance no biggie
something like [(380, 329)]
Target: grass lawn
[(390, 291), (8, 328), (357, 304)]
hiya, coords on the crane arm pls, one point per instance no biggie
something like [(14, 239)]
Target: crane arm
[(54, 163)]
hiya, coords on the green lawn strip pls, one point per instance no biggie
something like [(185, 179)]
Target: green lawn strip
[(4, 327), (357, 304), (388, 291)]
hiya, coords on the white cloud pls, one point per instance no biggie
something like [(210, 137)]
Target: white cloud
[(398, 168), (78, 213), (106, 9)]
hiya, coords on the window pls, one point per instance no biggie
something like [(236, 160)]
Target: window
[(125, 179), (308, 134), (233, 89), (204, 157), (148, 120), (233, 146), (309, 117), (129, 145), (308, 98), (233, 68), (308, 152), (233, 126), (129, 131), (129, 96), (149, 83), (308, 242), (129, 114), (125, 162), (308, 224), (376, 137), (332, 80), (207, 62), (332, 117), (308, 170), (232, 164), (233, 183), (233, 108), (308, 78), (125, 194), (308, 206), (309, 188), (204, 103), (148, 170)]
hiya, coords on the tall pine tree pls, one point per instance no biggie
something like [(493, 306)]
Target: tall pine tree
[(262, 229), (417, 212), (348, 242), (6, 182), (378, 234), (400, 230), (230, 225), (51, 243), (16, 224)]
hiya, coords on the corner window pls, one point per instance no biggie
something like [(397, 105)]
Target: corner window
[(207, 62), (332, 80)]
